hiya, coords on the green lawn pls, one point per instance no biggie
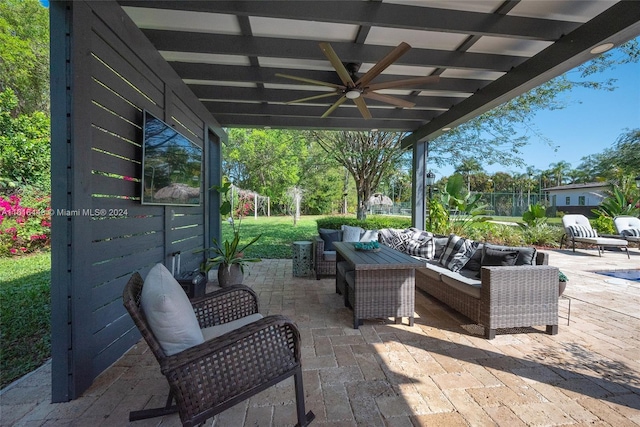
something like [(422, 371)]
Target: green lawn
[(25, 342), (277, 234)]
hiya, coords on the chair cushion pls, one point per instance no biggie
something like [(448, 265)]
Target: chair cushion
[(582, 231), (168, 311), (626, 222), (351, 234), (631, 232), (219, 330), (457, 252), (330, 236)]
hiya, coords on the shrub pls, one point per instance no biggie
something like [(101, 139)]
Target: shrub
[(499, 234), (25, 223), (543, 235), (374, 222), (604, 225)]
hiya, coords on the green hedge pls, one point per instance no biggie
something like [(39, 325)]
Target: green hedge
[(371, 223)]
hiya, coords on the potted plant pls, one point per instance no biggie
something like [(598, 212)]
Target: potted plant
[(562, 282), (228, 256)]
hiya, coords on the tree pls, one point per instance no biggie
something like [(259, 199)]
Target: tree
[(24, 53), (25, 149), (322, 181), (497, 136), (368, 156), (265, 161), (468, 167), (560, 170)]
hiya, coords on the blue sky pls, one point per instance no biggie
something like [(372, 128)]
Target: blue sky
[(591, 123)]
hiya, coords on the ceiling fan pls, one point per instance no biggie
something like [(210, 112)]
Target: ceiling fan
[(355, 88)]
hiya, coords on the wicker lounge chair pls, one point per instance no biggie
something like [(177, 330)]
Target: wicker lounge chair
[(578, 229), (208, 378)]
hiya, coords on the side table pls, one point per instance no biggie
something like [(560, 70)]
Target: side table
[(302, 258)]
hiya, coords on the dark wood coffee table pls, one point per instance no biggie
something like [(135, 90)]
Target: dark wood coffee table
[(378, 284)]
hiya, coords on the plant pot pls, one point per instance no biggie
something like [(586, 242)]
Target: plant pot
[(561, 287), (229, 275)]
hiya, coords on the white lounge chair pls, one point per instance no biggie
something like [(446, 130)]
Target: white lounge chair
[(578, 229), (628, 227)]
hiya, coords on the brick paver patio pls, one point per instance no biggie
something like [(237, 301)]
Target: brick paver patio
[(441, 372)]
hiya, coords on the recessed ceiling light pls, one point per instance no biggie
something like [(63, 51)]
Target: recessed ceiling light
[(601, 48)]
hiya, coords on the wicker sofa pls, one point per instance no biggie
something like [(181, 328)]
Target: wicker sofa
[(504, 296)]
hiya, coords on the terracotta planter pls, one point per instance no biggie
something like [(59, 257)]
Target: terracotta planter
[(561, 287), (229, 275)]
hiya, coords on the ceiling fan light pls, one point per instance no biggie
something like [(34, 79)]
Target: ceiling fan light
[(353, 94)]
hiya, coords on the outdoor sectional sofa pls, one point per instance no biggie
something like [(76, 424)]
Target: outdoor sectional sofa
[(494, 296), (504, 296)]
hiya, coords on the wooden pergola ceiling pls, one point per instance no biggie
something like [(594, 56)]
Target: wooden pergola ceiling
[(484, 51)]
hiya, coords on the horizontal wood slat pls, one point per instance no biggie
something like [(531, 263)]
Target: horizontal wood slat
[(107, 142), (124, 246), (116, 268), (137, 81), (114, 186), (122, 226)]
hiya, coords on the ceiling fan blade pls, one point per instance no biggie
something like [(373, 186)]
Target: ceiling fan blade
[(389, 99), (415, 82), (332, 56), (362, 107), (382, 65), (331, 109), (310, 98), (310, 81)]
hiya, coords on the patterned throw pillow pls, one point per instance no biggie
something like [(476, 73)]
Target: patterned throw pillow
[(394, 238), (632, 232), (420, 243), (582, 231), (457, 252)]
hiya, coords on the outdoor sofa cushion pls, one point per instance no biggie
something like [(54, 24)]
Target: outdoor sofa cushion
[(169, 312), (330, 236), (351, 234), (526, 254)]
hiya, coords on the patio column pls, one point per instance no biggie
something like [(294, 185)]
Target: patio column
[(419, 185)]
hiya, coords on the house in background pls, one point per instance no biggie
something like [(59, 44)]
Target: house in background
[(577, 198)]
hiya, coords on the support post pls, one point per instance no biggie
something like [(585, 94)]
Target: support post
[(419, 203)]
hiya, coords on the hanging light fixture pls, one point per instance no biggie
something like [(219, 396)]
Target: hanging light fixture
[(353, 93), (430, 178)]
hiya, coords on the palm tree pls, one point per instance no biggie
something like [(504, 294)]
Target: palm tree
[(560, 170), (468, 167)]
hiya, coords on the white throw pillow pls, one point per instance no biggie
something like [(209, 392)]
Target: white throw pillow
[(169, 312), (351, 234), (369, 235)]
